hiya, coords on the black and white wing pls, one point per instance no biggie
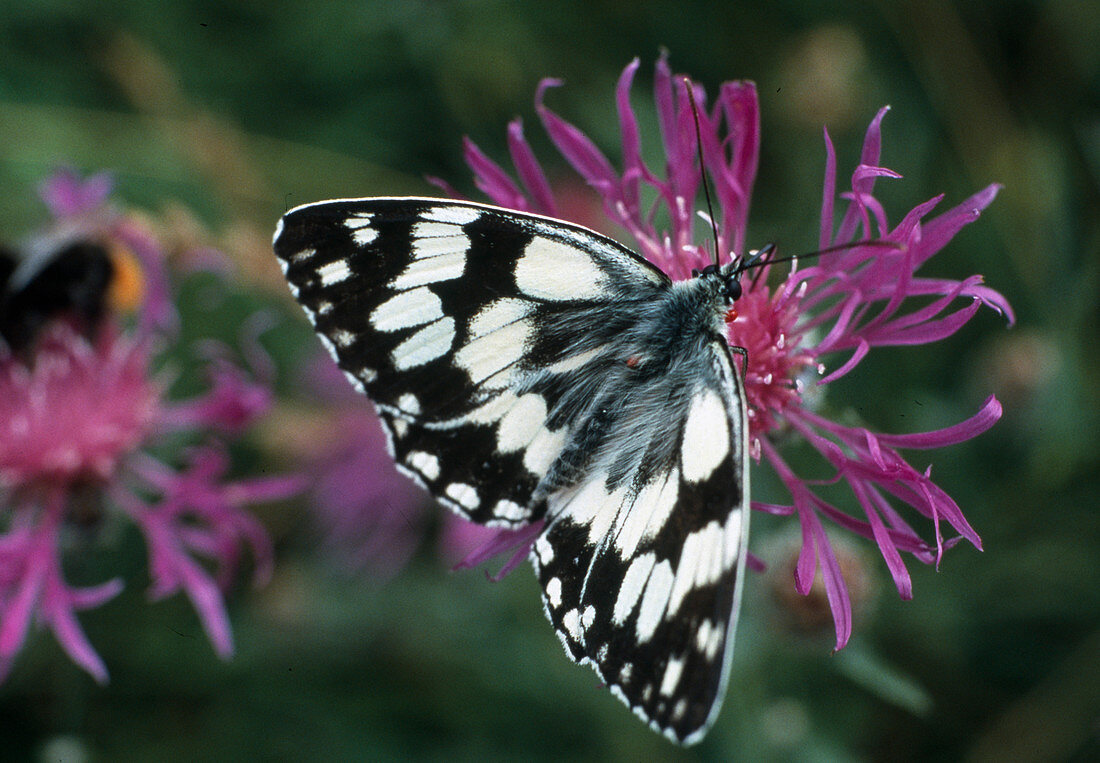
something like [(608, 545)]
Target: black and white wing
[(445, 314), (642, 571), (530, 369)]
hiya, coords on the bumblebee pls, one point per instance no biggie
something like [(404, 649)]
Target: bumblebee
[(77, 279)]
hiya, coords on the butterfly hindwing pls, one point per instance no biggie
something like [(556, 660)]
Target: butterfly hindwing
[(452, 317), (642, 574)]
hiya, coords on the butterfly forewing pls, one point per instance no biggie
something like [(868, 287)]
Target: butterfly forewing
[(439, 312), (527, 369)]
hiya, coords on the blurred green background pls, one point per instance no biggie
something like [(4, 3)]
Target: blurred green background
[(219, 116)]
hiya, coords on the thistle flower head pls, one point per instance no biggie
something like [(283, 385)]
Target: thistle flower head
[(79, 405), (803, 328)]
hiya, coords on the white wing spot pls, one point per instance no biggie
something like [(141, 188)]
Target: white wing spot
[(679, 709), (425, 463), (343, 338), (333, 273), (488, 355), (521, 423), (708, 639), (409, 308), (359, 221), (648, 513), (303, 256), (671, 678), (544, 550), (630, 591), (365, 236), (445, 267), (438, 246), (427, 344), (510, 510), (592, 505), (734, 537), (588, 617), (437, 230), (491, 411), (706, 437), (701, 563), (654, 600), (451, 214), (626, 672), (462, 494), (408, 403), (544, 450), (572, 623), (552, 270), (496, 315), (553, 592), (573, 362)]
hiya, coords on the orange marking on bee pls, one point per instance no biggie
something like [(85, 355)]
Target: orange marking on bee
[(731, 315), (127, 287), (633, 361)]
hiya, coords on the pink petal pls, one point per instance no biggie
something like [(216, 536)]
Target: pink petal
[(828, 193), (530, 172), (94, 596), (938, 232), (72, 639), (835, 589), (926, 333), (492, 179), (980, 422), (806, 567), (861, 350), (448, 190), (887, 548), (631, 140), (575, 146)]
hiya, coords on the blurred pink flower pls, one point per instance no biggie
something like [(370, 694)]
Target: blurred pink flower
[(371, 517), (844, 303), (77, 410)]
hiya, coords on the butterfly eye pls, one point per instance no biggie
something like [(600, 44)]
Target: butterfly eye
[(733, 288)]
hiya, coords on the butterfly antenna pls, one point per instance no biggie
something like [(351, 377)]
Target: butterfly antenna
[(702, 166), (764, 256)]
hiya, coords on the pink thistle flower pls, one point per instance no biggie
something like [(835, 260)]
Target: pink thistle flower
[(370, 517), (77, 410), (842, 305)]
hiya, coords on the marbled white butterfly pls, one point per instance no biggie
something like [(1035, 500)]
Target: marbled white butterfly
[(530, 369)]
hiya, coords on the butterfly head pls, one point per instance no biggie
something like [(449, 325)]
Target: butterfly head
[(728, 276), (726, 279)]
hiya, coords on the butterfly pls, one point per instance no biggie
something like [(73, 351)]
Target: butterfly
[(529, 369)]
